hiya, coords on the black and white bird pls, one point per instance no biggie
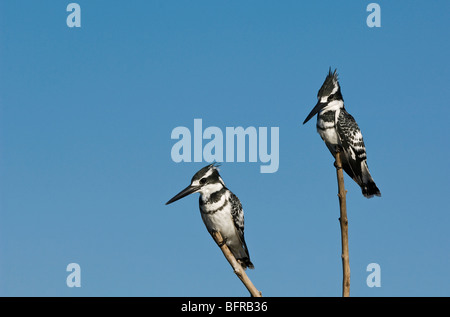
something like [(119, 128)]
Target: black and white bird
[(341, 133), (220, 209)]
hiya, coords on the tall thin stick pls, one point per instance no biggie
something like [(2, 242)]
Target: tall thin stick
[(238, 270), (344, 227)]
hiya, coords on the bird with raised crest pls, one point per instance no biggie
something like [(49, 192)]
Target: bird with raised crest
[(220, 209), (341, 133)]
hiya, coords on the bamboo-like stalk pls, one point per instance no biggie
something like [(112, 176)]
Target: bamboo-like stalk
[(238, 270), (344, 227)]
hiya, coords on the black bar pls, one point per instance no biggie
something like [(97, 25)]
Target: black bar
[(228, 305)]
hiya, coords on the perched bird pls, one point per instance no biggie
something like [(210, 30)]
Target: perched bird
[(220, 209), (341, 133)]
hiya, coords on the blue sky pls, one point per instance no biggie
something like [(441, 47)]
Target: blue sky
[(86, 116)]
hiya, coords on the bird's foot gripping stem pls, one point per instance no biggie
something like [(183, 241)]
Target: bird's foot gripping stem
[(337, 149), (336, 166), (220, 242)]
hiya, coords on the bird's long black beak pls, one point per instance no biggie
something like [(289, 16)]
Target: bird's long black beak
[(315, 110), (187, 191)]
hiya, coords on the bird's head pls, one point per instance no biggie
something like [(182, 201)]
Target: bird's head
[(206, 181), (329, 94)]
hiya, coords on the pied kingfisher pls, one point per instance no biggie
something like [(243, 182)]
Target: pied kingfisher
[(341, 133), (220, 209)]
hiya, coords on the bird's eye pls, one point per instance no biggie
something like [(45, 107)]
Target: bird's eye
[(330, 97), (203, 181)]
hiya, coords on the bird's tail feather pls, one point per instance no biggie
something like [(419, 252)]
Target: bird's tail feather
[(243, 257), (368, 186), (370, 189), (246, 263)]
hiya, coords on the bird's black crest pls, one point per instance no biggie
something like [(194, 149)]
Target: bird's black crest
[(205, 169), (328, 84)]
